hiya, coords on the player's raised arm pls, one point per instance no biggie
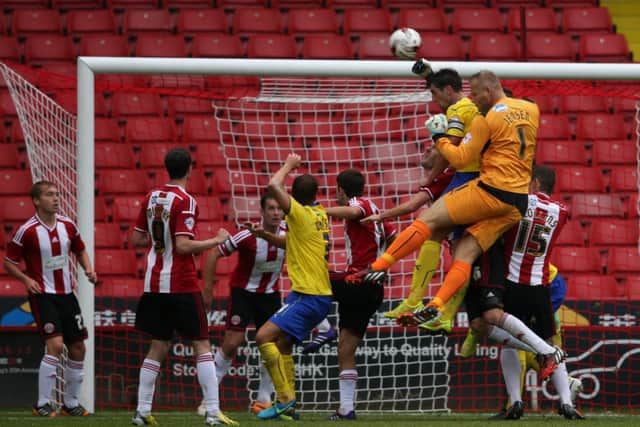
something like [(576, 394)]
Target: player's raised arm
[(258, 230), (276, 183), (461, 155), (345, 212)]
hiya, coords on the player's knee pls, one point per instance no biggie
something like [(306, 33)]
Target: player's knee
[(468, 249), (77, 350), (55, 346), (479, 325), (493, 316)]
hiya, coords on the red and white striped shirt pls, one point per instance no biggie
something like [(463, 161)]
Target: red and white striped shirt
[(46, 252), (259, 262), (529, 244), (365, 242), (168, 212)]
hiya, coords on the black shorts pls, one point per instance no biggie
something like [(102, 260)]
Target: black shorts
[(486, 289), (356, 303), (160, 315), (532, 305), (245, 307), (58, 315)]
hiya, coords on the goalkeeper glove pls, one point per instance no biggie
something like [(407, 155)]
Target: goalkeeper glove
[(422, 68), (366, 277), (437, 126)]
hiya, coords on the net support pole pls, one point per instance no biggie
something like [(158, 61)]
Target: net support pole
[(85, 139)]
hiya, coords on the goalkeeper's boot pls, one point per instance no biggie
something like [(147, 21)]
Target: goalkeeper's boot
[(259, 406), (321, 339), (76, 411), (468, 347), (143, 420), (570, 412), (276, 410), (438, 326), (515, 411), (46, 410), (428, 313), (402, 308), (337, 416), (575, 388), (290, 415), (549, 362), (219, 419), (366, 277)]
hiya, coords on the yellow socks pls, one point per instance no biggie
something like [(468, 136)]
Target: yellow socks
[(290, 372), (451, 307), (426, 264), (275, 364)]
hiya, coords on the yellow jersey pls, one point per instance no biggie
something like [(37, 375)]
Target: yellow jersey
[(460, 115), (553, 272), (308, 244), (506, 140)]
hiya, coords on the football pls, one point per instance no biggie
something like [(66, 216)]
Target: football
[(404, 43)]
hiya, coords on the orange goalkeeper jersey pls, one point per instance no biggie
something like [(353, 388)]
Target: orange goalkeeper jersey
[(506, 138)]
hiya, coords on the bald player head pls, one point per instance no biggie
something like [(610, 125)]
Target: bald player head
[(486, 90)]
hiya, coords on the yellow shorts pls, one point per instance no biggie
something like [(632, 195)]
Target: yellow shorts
[(488, 217)]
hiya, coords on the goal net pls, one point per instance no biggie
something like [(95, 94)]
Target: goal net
[(240, 129)]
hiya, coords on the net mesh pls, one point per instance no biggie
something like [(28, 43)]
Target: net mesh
[(239, 130)]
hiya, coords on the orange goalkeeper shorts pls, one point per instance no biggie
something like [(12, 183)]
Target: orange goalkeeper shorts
[(487, 216)]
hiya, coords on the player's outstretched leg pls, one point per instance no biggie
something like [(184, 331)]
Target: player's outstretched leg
[(468, 347), (326, 333), (143, 420)]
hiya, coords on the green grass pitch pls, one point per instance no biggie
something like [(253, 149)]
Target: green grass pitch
[(16, 418)]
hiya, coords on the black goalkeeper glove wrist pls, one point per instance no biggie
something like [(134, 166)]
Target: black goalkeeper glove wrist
[(422, 68)]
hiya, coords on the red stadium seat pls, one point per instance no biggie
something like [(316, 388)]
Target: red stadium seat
[(103, 45), (106, 130), (580, 20), (36, 21), (561, 152), (246, 208), (16, 209), (633, 205), (10, 287), (623, 259), (339, 151), (579, 179), (132, 4), (442, 47), (108, 235), (583, 104), (256, 20), (119, 262), (180, 106), (624, 104), (197, 129), (593, 287), (130, 104), (198, 183), (48, 48), (274, 152), (216, 46), (297, 4), (251, 183), (535, 19), (349, 4), (392, 155), (157, 21), (423, 20), (316, 130), (254, 133), (7, 107), (327, 47), (120, 287), (127, 208), (599, 126), (550, 47), (25, 4), (494, 47), (152, 155), (9, 156), (68, 100), (614, 152), (374, 46), (100, 209), (546, 103), (210, 209), (143, 130), (357, 21), (157, 46), (193, 21), (604, 48), (576, 259), (122, 181), (400, 180), (624, 179), (91, 21), (9, 49), (554, 127), (315, 21), (632, 283), (572, 234), (596, 205), (77, 4), (114, 156), (606, 232), (14, 182), (377, 131), (465, 21), (271, 46), (232, 4)]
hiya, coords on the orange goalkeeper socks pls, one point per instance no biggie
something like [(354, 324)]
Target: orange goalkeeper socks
[(408, 241), (455, 279)]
